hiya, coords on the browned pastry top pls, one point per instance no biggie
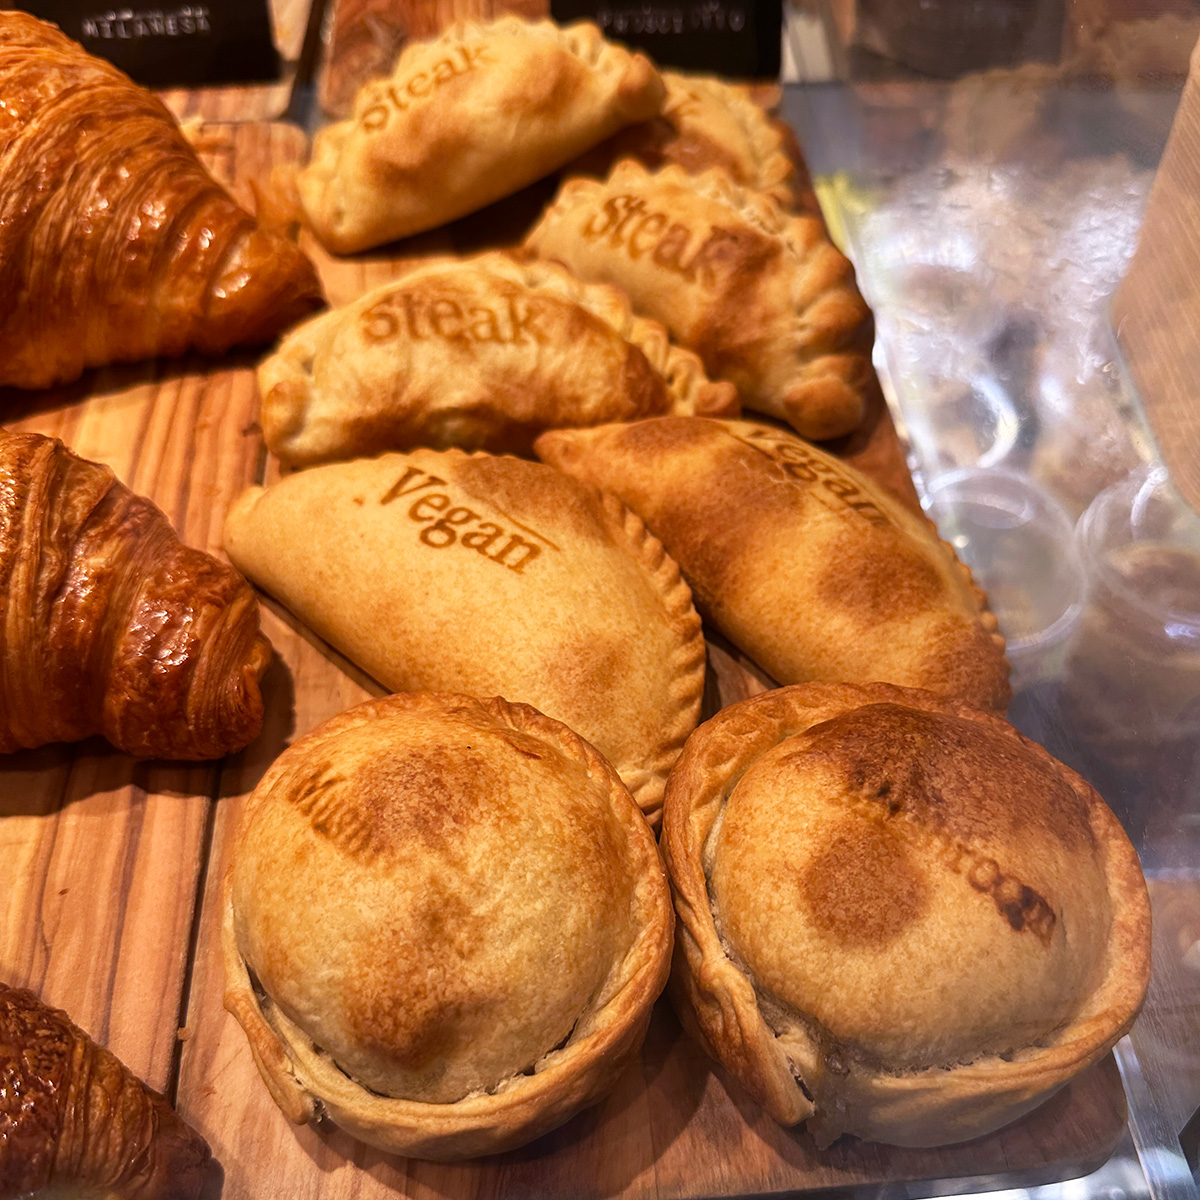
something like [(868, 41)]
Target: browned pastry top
[(761, 295), (116, 243), (707, 122), (483, 353), (489, 575), (803, 562), (72, 1113), (456, 920), (922, 923), (109, 624)]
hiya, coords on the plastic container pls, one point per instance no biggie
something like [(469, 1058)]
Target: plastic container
[(1019, 544)]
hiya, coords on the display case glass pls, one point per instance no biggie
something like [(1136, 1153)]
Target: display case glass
[(990, 215)]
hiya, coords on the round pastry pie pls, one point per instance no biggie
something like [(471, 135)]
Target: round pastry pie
[(898, 917), (445, 925)]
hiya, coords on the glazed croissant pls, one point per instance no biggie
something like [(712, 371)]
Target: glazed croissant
[(115, 243), (109, 624), (71, 1113)]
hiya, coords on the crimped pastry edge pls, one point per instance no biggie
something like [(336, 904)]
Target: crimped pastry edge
[(718, 1004), (646, 779), (648, 784), (682, 372), (763, 136), (583, 39), (804, 239), (639, 94), (307, 1085)]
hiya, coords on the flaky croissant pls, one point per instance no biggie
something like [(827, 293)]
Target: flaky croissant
[(71, 1113), (109, 624), (115, 243)]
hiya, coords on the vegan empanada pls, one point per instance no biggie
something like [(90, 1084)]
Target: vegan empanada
[(443, 571), (762, 297), (465, 119), (705, 122), (801, 561), (472, 950), (482, 353), (898, 918)]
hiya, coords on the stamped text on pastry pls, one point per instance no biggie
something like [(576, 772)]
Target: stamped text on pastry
[(420, 318), (445, 524), (800, 464), (628, 225), (400, 97), (320, 800)]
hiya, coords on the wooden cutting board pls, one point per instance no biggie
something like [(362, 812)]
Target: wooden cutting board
[(113, 911), (1154, 308)]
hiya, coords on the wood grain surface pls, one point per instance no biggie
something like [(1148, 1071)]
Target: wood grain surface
[(103, 854), (118, 868), (1154, 311)]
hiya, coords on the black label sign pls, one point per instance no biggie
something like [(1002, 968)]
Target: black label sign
[(740, 38), (173, 44)]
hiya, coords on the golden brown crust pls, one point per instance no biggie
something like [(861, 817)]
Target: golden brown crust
[(705, 122), (805, 564), (964, 924), (762, 297), (117, 244), (481, 353), (535, 851), (109, 625), (492, 576), (72, 1114), (465, 119)]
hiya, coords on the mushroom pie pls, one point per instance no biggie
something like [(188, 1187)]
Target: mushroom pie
[(898, 918), (445, 925)]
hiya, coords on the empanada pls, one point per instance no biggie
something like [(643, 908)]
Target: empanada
[(763, 297), (491, 576), (804, 563), (481, 353), (480, 929), (465, 119), (898, 918), (705, 122)]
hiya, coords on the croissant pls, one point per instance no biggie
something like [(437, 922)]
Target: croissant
[(115, 243), (109, 624), (71, 1113)]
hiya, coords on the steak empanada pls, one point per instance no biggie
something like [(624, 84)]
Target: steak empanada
[(482, 353), (898, 918), (763, 297), (705, 122), (490, 576), (115, 243), (472, 950), (804, 563), (465, 119)]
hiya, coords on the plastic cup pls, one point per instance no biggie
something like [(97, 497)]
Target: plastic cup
[(1135, 673), (1018, 542)]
